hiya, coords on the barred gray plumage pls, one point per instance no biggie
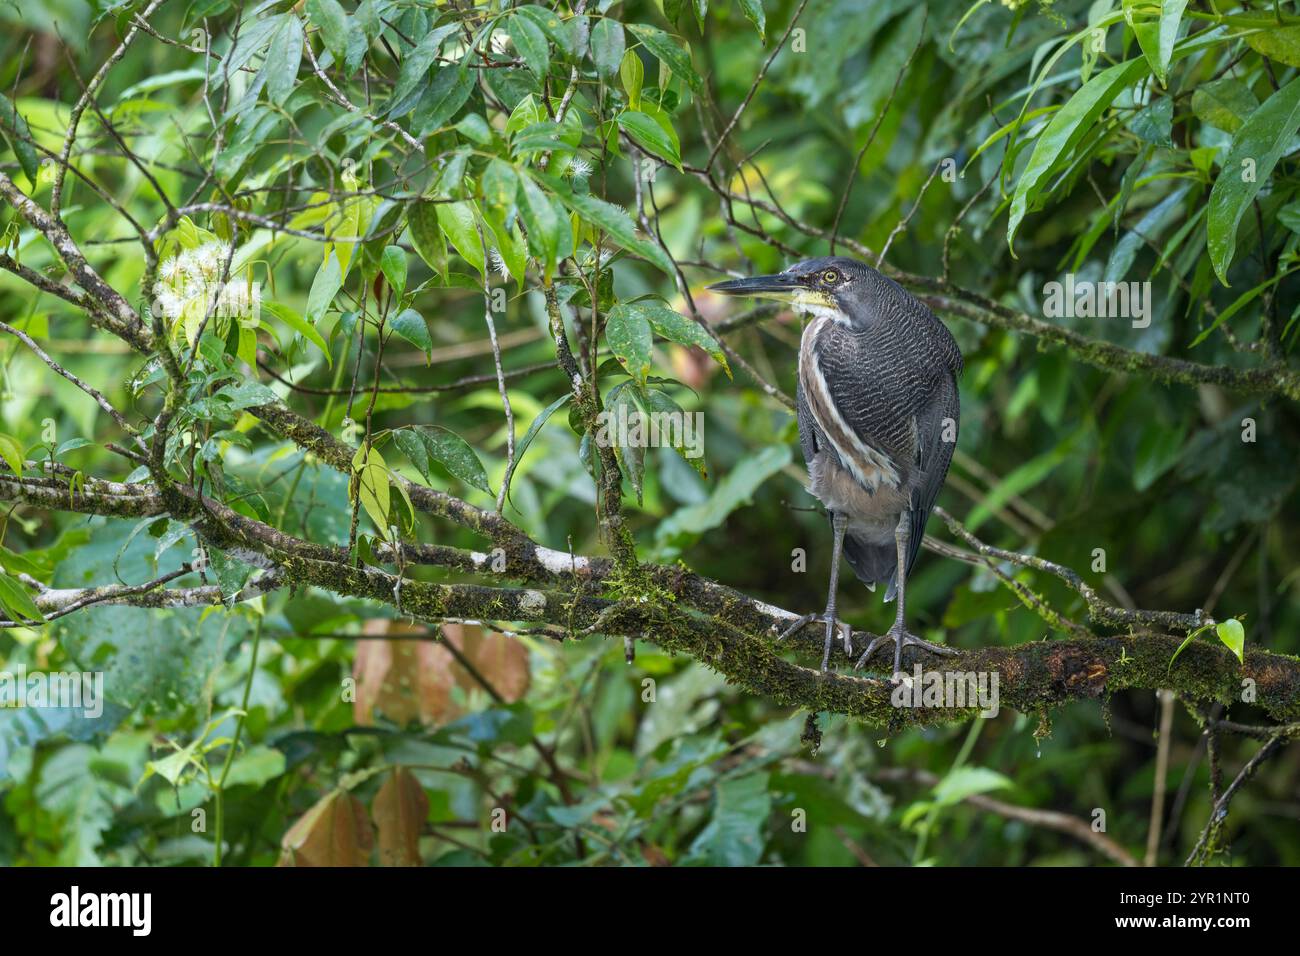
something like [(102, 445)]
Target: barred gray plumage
[(878, 413)]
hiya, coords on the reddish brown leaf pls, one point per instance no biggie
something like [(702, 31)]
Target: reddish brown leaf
[(334, 832), (399, 810), (410, 680)]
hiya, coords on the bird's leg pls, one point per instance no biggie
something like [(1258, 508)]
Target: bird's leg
[(839, 524), (899, 633)]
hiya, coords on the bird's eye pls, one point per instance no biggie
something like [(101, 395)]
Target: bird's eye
[(830, 277)]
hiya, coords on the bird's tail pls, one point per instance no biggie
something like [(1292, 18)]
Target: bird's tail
[(873, 563)]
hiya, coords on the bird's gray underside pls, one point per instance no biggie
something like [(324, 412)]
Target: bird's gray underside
[(897, 404)]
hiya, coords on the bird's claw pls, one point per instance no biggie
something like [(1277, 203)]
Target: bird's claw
[(833, 624), (901, 638)]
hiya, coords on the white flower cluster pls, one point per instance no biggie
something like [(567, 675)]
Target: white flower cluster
[(188, 281)]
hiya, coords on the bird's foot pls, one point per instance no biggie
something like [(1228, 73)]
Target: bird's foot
[(833, 624), (901, 637)]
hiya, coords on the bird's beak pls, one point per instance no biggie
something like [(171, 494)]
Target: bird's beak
[(781, 287)]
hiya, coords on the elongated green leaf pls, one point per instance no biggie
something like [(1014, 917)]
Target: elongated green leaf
[(1256, 148), (372, 489), (426, 235), (20, 137), (615, 221), (300, 325), (500, 184), (542, 222), (607, 46), (443, 99), (665, 48), (631, 73), (646, 131), (455, 454), (675, 327), (753, 11), (282, 61), (15, 597), (963, 782), (324, 287), (530, 43), (329, 18), (412, 77), (529, 435), (628, 333), (459, 221), (1067, 127), (392, 262)]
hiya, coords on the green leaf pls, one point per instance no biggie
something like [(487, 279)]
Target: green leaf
[(1279, 44), (615, 221), (665, 48), (542, 222), (1255, 150), (962, 782), (455, 454), (737, 831), (1233, 636), (607, 46), (733, 491), (1064, 131), (631, 72), (1157, 39), (530, 42), (443, 99), (328, 281), (426, 235), (459, 221), (283, 58), (1158, 450), (329, 18), (20, 138), (12, 453), (509, 245), (753, 10), (300, 325), (392, 262), (16, 599), (411, 78), (372, 485), (529, 435), (256, 766), (626, 405), (646, 131), (410, 444), (628, 333), (1224, 103), (675, 327), (500, 184), (411, 326)]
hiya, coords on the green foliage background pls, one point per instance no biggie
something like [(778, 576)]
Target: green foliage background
[(1083, 138)]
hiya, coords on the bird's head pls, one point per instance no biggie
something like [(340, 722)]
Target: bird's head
[(833, 286)]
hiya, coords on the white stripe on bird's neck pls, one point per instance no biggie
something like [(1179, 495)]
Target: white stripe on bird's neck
[(816, 305)]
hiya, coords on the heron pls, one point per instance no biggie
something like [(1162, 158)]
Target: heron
[(878, 414)]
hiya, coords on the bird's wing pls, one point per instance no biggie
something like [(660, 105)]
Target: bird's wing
[(934, 455), (808, 431)]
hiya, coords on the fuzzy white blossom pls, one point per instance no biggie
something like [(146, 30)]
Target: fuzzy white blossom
[(499, 264), (577, 168)]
